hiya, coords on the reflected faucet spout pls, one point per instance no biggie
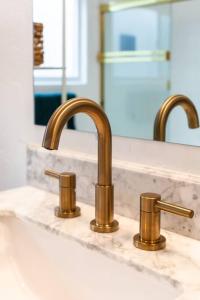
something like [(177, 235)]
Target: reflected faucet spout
[(165, 110), (104, 204)]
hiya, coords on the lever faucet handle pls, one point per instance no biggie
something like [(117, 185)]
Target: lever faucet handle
[(175, 209), (67, 185), (52, 173), (151, 205), (66, 179)]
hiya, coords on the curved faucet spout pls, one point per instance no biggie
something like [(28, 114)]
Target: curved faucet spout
[(165, 110), (104, 204), (63, 114)]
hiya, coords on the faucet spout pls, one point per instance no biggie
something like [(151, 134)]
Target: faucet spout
[(104, 205), (165, 110)]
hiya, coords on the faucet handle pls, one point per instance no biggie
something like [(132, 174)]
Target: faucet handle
[(52, 173), (151, 205), (175, 209), (66, 179), (67, 185)]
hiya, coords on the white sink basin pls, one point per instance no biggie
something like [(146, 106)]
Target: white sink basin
[(36, 264)]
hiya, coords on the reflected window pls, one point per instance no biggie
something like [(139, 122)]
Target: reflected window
[(59, 47)]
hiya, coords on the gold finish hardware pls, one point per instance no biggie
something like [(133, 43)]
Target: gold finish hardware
[(104, 204), (67, 184), (165, 110), (134, 56), (124, 5), (175, 209), (168, 85), (151, 205), (102, 50), (104, 58)]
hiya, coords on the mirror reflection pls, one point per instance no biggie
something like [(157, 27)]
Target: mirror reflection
[(127, 56)]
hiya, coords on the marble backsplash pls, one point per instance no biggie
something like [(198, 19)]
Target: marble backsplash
[(130, 180)]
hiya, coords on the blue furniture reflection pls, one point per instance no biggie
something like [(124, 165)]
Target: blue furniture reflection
[(45, 105)]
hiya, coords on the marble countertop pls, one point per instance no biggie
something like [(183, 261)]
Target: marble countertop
[(130, 180), (179, 263)]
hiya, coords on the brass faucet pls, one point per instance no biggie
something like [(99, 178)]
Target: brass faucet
[(165, 110), (104, 203), (151, 205)]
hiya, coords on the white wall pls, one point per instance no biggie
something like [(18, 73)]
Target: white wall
[(16, 112)]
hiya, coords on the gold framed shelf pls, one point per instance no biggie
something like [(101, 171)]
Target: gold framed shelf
[(126, 56), (114, 6), (134, 56)]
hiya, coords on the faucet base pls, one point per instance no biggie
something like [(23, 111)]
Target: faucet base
[(114, 226), (149, 246), (67, 214)]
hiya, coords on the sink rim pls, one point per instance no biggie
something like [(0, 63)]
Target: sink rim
[(117, 246)]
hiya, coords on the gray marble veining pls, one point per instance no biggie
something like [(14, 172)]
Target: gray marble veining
[(178, 264), (130, 181)]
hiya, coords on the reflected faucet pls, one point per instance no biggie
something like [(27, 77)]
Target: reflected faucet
[(104, 197), (165, 110)]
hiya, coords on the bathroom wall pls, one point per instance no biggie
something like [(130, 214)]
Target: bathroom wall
[(16, 112), (16, 104)]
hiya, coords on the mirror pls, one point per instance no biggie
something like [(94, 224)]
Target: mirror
[(148, 51)]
